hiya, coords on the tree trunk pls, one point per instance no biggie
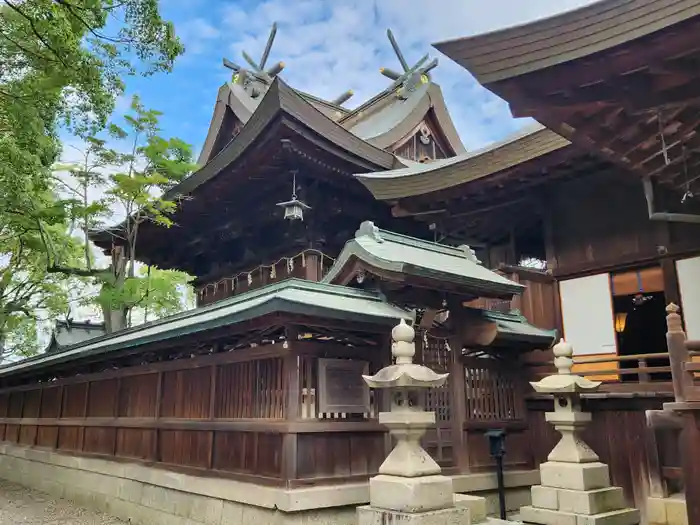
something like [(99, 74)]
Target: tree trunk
[(116, 318)]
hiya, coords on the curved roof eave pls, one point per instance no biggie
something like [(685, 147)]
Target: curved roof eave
[(528, 144), (229, 96), (294, 296), (562, 38), (399, 254)]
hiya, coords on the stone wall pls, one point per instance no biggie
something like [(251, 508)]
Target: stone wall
[(155, 496)]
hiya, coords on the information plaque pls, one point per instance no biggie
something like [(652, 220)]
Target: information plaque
[(341, 387)]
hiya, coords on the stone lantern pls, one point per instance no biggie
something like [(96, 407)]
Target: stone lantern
[(575, 485), (410, 488)]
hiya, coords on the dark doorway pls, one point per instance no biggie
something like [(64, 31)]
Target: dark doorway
[(643, 331)]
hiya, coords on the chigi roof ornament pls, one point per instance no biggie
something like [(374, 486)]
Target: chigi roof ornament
[(411, 77), (248, 77)]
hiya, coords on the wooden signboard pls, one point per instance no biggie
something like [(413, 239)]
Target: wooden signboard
[(341, 387)]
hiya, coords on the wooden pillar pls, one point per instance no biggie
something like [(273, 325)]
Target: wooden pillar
[(458, 398), (213, 378), (678, 352), (292, 398), (313, 271), (672, 292)]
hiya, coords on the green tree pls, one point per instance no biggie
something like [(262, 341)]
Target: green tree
[(134, 184), (28, 294), (62, 62)]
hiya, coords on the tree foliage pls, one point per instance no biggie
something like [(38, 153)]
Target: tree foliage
[(27, 293), (130, 178), (63, 62)]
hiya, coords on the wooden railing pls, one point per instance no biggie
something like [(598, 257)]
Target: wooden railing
[(640, 368), (310, 264)]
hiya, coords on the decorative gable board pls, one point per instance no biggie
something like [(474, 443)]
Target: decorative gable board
[(587, 314), (424, 142)]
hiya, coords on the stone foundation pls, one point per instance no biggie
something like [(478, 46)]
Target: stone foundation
[(667, 511), (153, 496)]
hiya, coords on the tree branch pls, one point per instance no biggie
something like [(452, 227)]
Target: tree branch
[(90, 28), (80, 272), (35, 31)]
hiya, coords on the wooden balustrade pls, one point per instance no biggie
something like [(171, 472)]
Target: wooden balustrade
[(624, 373)]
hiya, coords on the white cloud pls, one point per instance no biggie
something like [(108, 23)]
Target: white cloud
[(329, 46), (196, 34)]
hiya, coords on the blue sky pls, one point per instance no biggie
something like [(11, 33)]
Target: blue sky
[(329, 46)]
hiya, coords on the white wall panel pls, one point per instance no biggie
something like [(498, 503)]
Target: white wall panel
[(587, 313), (688, 271)]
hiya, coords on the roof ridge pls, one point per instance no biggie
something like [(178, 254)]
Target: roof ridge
[(456, 251)]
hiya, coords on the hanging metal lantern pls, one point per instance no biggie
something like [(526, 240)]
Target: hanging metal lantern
[(294, 208)]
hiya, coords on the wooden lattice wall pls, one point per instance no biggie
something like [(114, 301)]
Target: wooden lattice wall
[(250, 414)]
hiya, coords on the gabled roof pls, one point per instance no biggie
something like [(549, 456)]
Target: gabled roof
[(400, 255), (385, 119), (417, 179), (290, 296), (525, 48), (69, 333), (381, 121), (280, 99), (233, 100)]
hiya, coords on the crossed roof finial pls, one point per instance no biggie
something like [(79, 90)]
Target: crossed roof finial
[(257, 72), (411, 76)]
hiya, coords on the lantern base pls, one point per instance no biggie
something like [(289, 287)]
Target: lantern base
[(455, 516), (411, 495)]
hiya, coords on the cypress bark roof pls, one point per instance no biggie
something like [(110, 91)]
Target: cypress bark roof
[(537, 45), (419, 178)]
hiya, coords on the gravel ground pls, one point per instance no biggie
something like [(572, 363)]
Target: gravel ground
[(22, 506)]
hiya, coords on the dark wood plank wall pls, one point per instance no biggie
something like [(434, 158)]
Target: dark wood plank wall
[(253, 414), (239, 414), (600, 223)]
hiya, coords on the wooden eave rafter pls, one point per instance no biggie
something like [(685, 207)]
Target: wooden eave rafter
[(617, 102), (488, 209), (613, 68)]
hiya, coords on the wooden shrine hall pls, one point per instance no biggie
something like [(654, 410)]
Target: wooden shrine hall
[(312, 229), (252, 406)]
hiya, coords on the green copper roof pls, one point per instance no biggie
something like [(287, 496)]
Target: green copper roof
[(289, 296), (513, 327), (396, 253)]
